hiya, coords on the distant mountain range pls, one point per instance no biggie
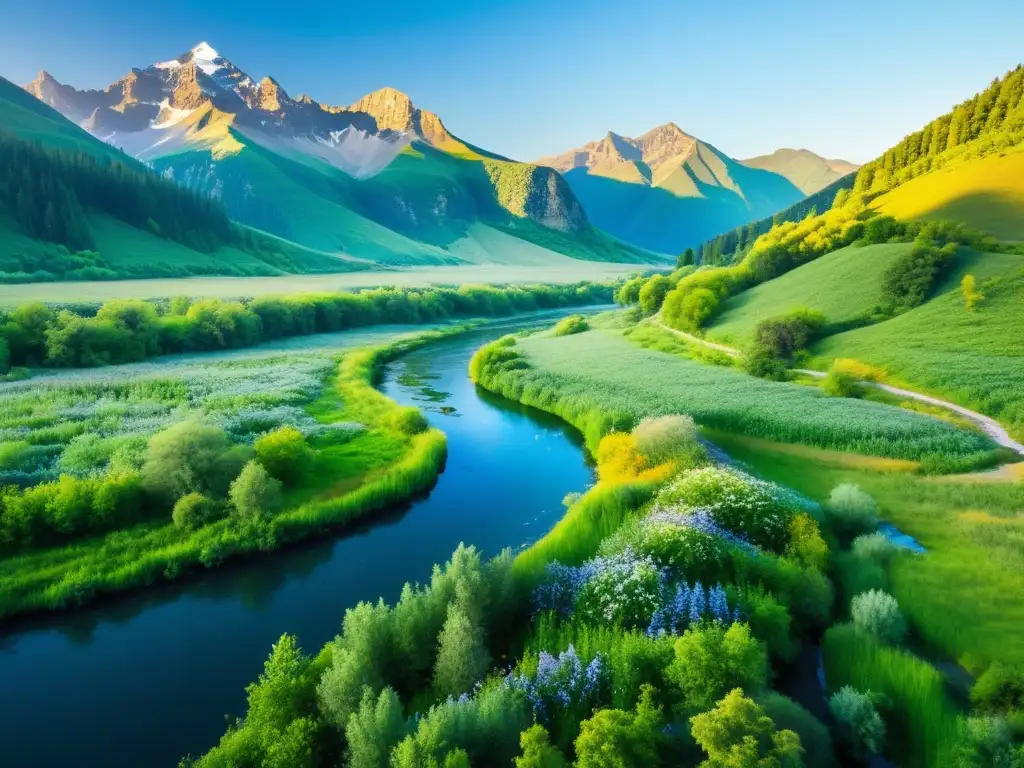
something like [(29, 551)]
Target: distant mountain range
[(380, 180), (667, 190), (809, 172)]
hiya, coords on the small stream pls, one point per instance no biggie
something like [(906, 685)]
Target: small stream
[(144, 678)]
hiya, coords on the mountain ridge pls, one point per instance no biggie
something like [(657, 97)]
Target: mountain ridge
[(315, 173), (666, 189)]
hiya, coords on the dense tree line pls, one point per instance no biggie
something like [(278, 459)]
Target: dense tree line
[(725, 248), (128, 331), (989, 121), (49, 192)]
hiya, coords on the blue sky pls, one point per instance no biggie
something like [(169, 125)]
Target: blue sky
[(531, 77)]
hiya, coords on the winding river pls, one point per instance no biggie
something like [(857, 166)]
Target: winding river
[(146, 678)]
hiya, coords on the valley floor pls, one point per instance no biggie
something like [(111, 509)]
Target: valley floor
[(570, 271)]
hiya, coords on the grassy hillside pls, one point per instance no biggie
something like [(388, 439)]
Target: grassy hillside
[(974, 358), (23, 114), (987, 194), (845, 285), (419, 211)]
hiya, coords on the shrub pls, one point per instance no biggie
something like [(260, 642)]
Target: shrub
[(785, 336), (664, 438), (567, 326), (762, 363), (614, 738), (538, 751), (986, 742), (851, 512), (653, 292), (972, 296), (189, 456), (689, 310), (254, 493), (194, 511), (859, 726), (284, 454), (750, 508), (999, 689), (910, 280), (619, 458), (737, 732), (712, 660), (839, 383), (409, 420), (806, 545), (875, 547), (878, 612), (814, 736)]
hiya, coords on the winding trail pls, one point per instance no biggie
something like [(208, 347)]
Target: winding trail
[(988, 425)]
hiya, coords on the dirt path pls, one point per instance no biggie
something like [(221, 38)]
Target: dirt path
[(988, 425)]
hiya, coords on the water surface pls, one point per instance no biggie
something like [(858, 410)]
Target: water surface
[(144, 678)]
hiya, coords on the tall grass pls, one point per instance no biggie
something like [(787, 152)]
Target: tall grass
[(921, 719), (576, 537), (963, 596), (598, 380)]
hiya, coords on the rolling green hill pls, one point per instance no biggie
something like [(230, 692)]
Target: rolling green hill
[(845, 285), (974, 358)]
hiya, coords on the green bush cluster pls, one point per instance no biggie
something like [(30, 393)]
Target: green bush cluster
[(567, 326)]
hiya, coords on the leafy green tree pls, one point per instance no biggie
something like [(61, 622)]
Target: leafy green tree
[(711, 660), (285, 454), (538, 751), (851, 512), (462, 656), (686, 258), (613, 738), (194, 510), (5, 356), (738, 734), (653, 293), (188, 457), (374, 729), (254, 493), (360, 659)]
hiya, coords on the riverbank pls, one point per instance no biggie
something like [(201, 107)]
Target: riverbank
[(127, 669), (394, 464)]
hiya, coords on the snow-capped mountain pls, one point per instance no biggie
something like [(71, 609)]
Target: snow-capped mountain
[(154, 111)]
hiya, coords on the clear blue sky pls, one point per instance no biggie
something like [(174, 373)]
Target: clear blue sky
[(531, 77)]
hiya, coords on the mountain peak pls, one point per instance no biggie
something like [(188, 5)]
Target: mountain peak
[(394, 111), (205, 51), (270, 94)]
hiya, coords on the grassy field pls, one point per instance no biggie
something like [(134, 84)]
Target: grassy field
[(570, 271), (973, 358), (600, 369), (963, 596), (83, 423), (987, 194), (844, 285)]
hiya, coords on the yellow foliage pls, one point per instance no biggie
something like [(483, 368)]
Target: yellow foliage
[(659, 472), (857, 369), (805, 542), (972, 296), (618, 458)]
